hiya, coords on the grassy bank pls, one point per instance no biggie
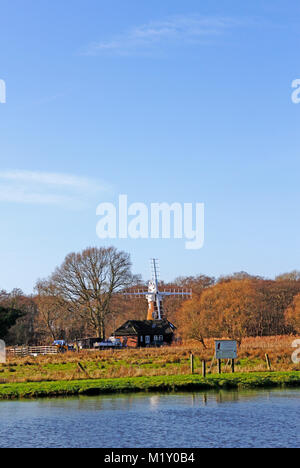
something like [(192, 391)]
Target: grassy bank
[(173, 361), (169, 383)]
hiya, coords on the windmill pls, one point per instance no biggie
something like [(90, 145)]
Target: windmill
[(155, 296)]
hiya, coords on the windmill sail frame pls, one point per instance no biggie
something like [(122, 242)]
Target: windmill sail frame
[(154, 296)]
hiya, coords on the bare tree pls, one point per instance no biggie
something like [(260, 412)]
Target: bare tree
[(52, 308), (292, 276), (88, 281)]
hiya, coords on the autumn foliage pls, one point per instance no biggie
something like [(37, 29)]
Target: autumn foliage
[(236, 308), (292, 314)]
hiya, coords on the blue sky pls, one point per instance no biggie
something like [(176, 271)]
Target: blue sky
[(165, 101)]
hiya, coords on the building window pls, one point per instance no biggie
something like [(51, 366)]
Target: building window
[(142, 339), (161, 338), (147, 339), (155, 338)]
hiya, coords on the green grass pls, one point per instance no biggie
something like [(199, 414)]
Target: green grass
[(169, 383)]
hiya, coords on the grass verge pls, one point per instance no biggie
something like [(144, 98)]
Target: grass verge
[(169, 383)]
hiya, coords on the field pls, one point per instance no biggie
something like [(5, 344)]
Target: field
[(170, 361)]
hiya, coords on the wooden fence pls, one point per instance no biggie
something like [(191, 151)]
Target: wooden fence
[(31, 350)]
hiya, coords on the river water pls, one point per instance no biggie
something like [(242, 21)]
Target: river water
[(223, 419)]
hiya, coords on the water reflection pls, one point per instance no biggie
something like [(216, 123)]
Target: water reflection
[(156, 401), (267, 418)]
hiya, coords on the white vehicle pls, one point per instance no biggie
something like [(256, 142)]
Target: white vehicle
[(111, 343)]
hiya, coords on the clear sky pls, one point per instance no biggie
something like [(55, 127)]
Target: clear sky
[(162, 100)]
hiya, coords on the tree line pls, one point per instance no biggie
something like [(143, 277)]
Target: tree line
[(83, 297), (240, 306)]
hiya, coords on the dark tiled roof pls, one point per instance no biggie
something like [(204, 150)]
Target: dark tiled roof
[(145, 327)]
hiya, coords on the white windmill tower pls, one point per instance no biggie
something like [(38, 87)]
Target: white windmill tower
[(155, 296)]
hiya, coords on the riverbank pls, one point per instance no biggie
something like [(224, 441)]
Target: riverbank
[(148, 362), (173, 383)]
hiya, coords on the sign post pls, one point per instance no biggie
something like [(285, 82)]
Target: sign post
[(225, 349)]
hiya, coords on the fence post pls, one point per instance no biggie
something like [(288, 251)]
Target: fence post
[(204, 368), (268, 362), (192, 363), (232, 366), (219, 366), (80, 367)]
